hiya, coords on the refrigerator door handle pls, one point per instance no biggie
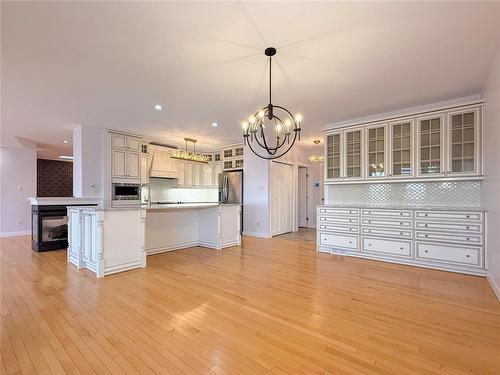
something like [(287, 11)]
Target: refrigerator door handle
[(226, 186)]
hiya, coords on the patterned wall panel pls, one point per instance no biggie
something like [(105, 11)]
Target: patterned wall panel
[(441, 194), (54, 178)]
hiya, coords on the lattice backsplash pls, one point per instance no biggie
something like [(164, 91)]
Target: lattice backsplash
[(445, 194)]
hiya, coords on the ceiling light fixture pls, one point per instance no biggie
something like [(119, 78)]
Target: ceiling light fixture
[(316, 158), (280, 121), (66, 141), (158, 107), (189, 156), (214, 124), (66, 157)]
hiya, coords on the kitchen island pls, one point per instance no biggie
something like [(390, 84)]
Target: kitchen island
[(111, 240)]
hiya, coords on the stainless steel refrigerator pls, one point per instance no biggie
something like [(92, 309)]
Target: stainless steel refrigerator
[(231, 190)]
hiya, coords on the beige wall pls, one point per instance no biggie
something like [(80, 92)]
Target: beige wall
[(491, 184)]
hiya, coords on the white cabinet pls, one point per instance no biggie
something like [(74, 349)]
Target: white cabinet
[(162, 165), (90, 240), (448, 240), (376, 152), (463, 139), (144, 168), (125, 159), (231, 156), (439, 144), (430, 149)]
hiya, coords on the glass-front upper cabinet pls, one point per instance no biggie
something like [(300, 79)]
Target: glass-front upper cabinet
[(430, 146), (353, 154), (462, 139), (402, 149), (333, 156), (376, 166)]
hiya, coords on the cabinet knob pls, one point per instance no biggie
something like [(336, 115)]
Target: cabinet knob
[(426, 235), (400, 248), (350, 242), (467, 227), (369, 221), (426, 251), (425, 215), (468, 216), (467, 238), (468, 256), (400, 214), (401, 233), (400, 223), (369, 244), (350, 229), (425, 225)]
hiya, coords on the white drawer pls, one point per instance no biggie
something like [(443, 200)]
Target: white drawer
[(448, 237), (455, 226), (449, 253), (388, 247), (451, 215), (386, 213), (338, 211), (339, 219), (403, 233), (339, 228), (387, 223), (339, 240)]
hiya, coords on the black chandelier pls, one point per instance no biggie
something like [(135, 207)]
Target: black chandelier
[(278, 117)]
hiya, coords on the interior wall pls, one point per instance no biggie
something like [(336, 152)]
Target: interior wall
[(491, 184), (17, 183), (87, 161), (54, 178)]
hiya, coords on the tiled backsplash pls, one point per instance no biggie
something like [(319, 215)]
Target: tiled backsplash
[(164, 190), (445, 194)]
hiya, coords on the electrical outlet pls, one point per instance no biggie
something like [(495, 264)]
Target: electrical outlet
[(257, 224), (19, 222)]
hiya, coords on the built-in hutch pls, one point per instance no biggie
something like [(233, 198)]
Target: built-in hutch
[(435, 144), (440, 146)]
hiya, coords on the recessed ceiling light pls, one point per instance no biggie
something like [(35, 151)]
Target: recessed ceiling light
[(158, 107), (66, 157), (214, 124)]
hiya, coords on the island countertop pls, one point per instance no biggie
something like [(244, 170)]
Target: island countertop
[(175, 206)]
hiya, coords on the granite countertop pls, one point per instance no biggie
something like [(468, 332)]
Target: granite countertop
[(154, 207), (406, 207)]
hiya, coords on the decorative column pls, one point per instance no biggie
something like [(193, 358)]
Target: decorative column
[(143, 238), (219, 227), (101, 215)]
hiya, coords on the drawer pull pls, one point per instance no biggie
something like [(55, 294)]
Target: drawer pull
[(400, 223), (425, 225), (426, 251), (369, 244), (350, 242), (468, 239), (350, 229), (369, 221), (468, 256), (468, 216), (369, 230), (467, 227), (400, 248), (369, 212), (350, 221), (425, 215), (400, 214), (401, 233), (426, 235)]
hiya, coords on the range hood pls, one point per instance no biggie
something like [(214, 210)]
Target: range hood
[(162, 166)]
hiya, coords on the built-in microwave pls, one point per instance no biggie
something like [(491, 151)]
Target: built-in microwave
[(126, 192)]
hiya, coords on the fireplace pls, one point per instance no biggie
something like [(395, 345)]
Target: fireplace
[(49, 228)]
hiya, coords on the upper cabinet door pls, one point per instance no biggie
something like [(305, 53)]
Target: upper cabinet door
[(118, 141), (134, 170), (376, 166), (353, 154), (133, 144), (333, 164), (463, 135), (119, 163), (401, 145), (430, 150)]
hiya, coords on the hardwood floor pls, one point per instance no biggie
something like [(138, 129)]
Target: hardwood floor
[(271, 306)]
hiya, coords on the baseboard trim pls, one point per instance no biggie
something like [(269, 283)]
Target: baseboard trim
[(494, 286), (15, 234), (254, 234)]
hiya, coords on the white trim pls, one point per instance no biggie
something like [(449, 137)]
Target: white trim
[(109, 270), (412, 111), (495, 287), (255, 234), (405, 179), (15, 234)]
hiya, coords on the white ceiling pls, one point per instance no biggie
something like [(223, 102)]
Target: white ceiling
[(106, 64)]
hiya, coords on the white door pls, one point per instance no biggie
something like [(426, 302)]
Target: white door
[(119, 161), (281, 198), (302, 197), (134, 165)]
